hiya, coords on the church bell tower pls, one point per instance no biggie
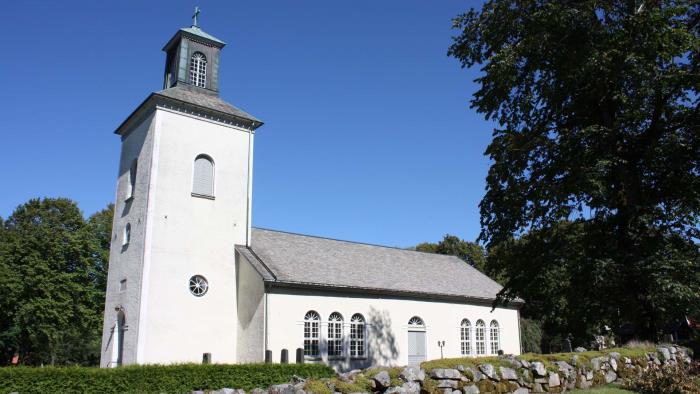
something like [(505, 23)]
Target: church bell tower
[(183, 202), (181, 64)]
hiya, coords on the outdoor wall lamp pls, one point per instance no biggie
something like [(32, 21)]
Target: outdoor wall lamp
[(442, 345)]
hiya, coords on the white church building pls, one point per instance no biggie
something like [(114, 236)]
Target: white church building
[(190, 279)]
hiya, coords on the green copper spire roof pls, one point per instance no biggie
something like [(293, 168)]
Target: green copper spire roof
[(195, 30)]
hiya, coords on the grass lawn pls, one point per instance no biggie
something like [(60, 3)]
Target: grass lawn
[(637, 353), (610, 389)]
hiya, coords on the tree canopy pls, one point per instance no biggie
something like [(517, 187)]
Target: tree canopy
[(53, 265), (593, 195), (470, 252)]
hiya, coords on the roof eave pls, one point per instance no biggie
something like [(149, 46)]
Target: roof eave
[(390, 292), (213, 42), (119, 130), (251, 124)]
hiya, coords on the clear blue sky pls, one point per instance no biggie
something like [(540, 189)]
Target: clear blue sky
[(368, 135)]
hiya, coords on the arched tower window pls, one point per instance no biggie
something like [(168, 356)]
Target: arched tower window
[(465, 337), (203, 178), (480, 337), (311, 334), (119, 328), (132, 180), (335, 335), (198, 70), (494, 337), (127, 234), (357, 336)]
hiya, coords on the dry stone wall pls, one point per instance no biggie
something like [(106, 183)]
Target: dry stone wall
[(509, 374)]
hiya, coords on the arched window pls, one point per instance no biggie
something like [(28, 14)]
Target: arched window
[(203, 178), (335, 335), (120, 327), (127, 234), (198, 70), (416, 322), (465, 337), (494, 337), (311, 334), (132, 180), (357, 336), (480, 337)]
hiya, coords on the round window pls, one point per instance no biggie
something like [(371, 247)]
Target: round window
[(198, 285)]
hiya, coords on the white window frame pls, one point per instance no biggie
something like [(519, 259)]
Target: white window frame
[(358, 337), (416, 323), (213, 176), (198, 70), (312, 335), (198, 285), (465, 338), (334, 336), (480, 337), (494, 337)]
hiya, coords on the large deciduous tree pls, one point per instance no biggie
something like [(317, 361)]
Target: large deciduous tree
[(471, 252), (52, 268), (596, 156)]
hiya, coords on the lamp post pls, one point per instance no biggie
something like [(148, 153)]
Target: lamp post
[(442, 345)]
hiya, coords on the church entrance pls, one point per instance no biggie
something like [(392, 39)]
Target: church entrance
[(416, 348), (416, 341)]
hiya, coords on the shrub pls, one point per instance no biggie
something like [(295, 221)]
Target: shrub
[(317, 387), (669, 379), (153, 378), (360, 385)]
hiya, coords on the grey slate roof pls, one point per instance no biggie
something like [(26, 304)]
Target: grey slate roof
[(210, 101), (313, 261), (195, 97)]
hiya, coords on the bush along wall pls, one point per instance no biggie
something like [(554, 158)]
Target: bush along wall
[(529, 373), (153, 378)]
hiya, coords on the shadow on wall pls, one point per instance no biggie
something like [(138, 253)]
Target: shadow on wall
[(381, 345), (381, 341)]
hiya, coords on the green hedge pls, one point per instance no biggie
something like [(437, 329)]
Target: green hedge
[(153, 378)]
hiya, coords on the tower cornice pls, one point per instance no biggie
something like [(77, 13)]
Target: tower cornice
[(192, 103)]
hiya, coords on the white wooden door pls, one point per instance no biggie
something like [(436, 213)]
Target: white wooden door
[(416, 348)]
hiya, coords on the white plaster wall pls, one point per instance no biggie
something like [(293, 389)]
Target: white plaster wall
[(125, 262), (388, 324), (193, 236), (251, 313)]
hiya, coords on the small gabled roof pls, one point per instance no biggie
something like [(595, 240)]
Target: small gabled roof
[(195, 30), (307, 261)]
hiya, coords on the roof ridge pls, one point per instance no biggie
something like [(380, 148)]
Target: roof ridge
[(359, 243)]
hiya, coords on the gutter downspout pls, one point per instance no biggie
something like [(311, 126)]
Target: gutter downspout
[(520, 339), (265, 323), (250, 188)]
